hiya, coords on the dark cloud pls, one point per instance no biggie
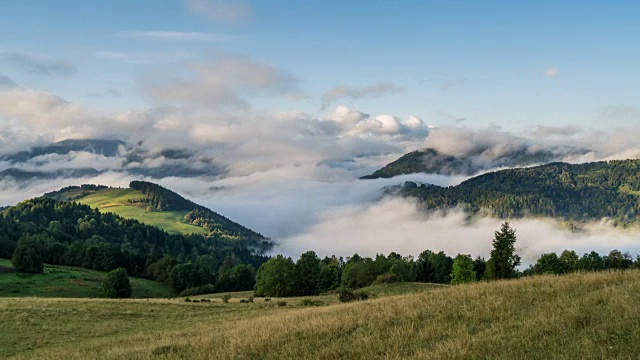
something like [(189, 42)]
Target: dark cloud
[(38, 65)]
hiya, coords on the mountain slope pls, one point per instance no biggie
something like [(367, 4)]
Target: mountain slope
[(431, 161), (573, 192), (160, 207)]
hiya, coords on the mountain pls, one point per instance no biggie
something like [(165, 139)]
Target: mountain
[(121, 157), (157, 206), (583, 192), (150, 231), (107, 148), (431, 161)]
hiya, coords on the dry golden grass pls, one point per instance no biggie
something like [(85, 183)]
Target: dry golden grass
[(579, 316)]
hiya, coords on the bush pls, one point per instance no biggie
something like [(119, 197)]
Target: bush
[(187, 300), (267, 299), (387, 278), (282, 303), (27, 259), (226, 298), (250, 299), (116, 284), (311, 302), (199, 290), (347, 295)]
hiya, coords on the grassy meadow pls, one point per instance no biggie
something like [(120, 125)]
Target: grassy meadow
[(114, 200), (577, 316), (69, 282)]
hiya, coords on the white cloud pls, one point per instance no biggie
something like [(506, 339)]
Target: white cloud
[(353, 93), (221, 11), (226, 80), (552, 72), (176, 36)]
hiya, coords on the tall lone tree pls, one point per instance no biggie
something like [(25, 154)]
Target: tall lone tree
[(504, 260)]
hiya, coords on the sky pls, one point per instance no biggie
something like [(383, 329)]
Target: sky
[(284, 104)]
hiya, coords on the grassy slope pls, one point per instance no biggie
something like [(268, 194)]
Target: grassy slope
[(572, 317), (67, 281), (115, 201)]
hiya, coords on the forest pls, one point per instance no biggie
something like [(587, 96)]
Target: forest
[(580, 192)]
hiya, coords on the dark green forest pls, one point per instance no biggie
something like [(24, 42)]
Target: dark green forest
[(581, 192), (67, 233)]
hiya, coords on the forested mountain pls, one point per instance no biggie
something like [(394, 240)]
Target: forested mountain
[(68, 233), (430, 161), (568, 191)]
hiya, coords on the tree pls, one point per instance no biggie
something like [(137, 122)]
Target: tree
[(308, 273), (462, 270), (434, 267), (549, 263), (569, 260), (276, 277), (504, 260), (479, 266), (27, 258), (591, 262), (616, 260), (116, 284)]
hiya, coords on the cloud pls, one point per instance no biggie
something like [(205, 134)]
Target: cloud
[(225, 80), (220, 11), (547, 131), (143, 57), (354, 93), (451, 83), (552, 72), (620, 112), (38, 65), (397, 224), (176, 36), (6, 82)]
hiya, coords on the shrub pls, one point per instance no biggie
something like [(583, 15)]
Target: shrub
[(116, 284), (244, 300), (187, 300), (27, 259), (250, 299), (282, 303), (311, 302), (199, 290), (226, 298), (387, 278), (347, 295), (267, 299)]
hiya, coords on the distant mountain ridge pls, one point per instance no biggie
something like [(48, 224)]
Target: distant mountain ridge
[(430, 161), (584, 192), (129, 159)]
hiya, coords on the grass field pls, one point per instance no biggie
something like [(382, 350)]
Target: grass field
[(67, 281), (114, 200), (578, 316)]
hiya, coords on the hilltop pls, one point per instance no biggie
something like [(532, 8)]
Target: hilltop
[(157, 206), (583, 192), (431, 161)]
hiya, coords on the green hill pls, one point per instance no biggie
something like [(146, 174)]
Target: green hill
[(156, 206), (588, 191), (69, 282), (577, 316)]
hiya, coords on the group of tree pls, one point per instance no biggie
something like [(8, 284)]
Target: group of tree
[(45, 230)]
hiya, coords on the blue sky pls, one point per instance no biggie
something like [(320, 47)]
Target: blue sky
[(511, 63)]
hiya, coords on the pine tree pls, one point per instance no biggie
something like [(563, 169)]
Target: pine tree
[(504, 260)]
